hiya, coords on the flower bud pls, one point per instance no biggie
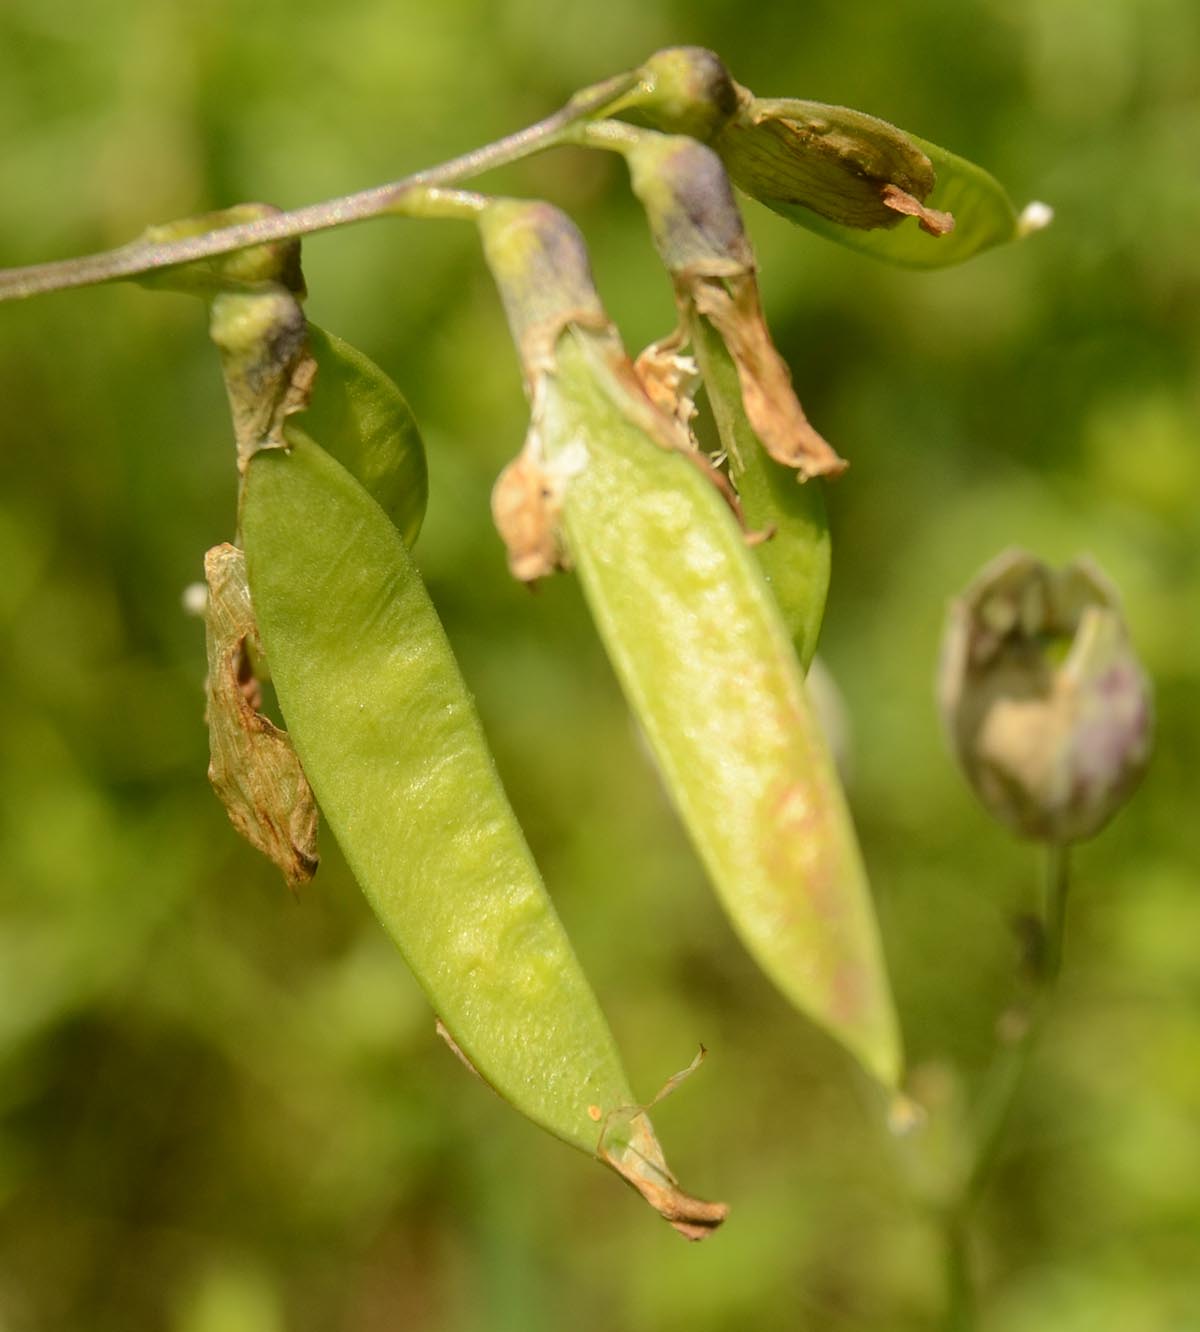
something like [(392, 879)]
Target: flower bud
[(1045, 702)]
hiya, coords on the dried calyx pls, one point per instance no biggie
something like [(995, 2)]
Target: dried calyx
[(698, 233), (253, 767)]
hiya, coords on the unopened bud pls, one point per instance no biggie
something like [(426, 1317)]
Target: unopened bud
[(1045, 702)]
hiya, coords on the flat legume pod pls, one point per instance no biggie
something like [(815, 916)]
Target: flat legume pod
[(393, 748), (702, 654)]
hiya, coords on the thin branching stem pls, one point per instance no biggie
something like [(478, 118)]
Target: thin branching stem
[(1057, 884), (1003, 1083), (142, 256), (960, 1290)]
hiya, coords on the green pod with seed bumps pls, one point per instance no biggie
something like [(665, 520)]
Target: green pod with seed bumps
[(388, 738), (392, 746), (609, 484), (708, 667)]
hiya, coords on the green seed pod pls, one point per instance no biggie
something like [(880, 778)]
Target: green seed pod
[(387, 734), (964, 212), (698, 645), (844, 165), (708, 668), (1045, 702), (389, 738), (847, 175)]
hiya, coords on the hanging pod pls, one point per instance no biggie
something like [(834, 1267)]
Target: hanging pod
[(708, 667), (389, 738), (693, 634), (380, 719), (385, 729)]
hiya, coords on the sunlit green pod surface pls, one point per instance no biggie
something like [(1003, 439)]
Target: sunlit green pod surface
[(706, 662), (387, 733), (363, 420), (393, 748)]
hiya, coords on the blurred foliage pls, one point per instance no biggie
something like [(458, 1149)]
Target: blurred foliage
[(223, 1110)]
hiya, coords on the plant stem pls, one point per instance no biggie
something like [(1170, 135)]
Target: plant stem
[(960, 1304), (614, 135), (1003, 1083), (1057, 883), (144, 257)]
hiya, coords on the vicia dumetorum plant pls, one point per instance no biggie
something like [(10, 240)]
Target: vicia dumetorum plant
[(705, 574)]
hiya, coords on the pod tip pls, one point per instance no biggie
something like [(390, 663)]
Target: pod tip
[(640, 1162), (1035, 216)]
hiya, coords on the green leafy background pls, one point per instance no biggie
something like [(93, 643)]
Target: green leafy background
[(225, 1111)]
